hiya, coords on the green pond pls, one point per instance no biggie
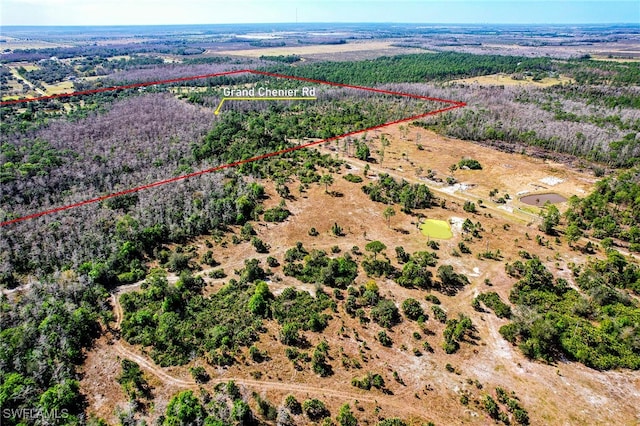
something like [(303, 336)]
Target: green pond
[(438, 229)]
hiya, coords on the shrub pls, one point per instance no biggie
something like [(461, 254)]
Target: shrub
[(401, 255), (432, 298), (199, 374), (208, 259), (469, 207), (353, 178), (217, 273), (412, 309), (345, 416), (385, 313), (292, 404), (440, 314), (289, 334), (384, 339), (493, 301), (315, 409), (276, 214), (259, 245), (470, 163)]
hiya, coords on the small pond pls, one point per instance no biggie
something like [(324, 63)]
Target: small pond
[(539, 200), (438, 229)]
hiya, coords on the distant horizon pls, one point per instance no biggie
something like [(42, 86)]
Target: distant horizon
[(447, 24), (220, 12)]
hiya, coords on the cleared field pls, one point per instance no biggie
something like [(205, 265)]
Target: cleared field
[(62, 87), (507, 80), (310, 50)]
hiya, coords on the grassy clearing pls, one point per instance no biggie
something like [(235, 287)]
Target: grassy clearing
[(507, 80), (62, 87)]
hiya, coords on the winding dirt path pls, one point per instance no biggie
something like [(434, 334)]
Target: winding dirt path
[(398, 401)]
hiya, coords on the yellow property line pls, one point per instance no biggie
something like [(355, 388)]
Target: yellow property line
[(255, 98)]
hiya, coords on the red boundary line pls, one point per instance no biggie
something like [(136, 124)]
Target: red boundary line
[(454, 105)]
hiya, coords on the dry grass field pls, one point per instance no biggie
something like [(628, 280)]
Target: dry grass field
[(507, 80), (310, 49)]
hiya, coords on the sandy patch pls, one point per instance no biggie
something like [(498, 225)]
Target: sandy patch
[(551, 180)]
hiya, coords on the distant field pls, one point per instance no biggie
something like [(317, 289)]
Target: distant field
[(507, 80), (62, 87), (310, 50), (621, 60), (15, 43)]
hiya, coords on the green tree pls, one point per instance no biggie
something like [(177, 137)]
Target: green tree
[(327, 181), (362, 151), (346, 417), (375, 247), (573, 233), (550, 219), (259, 302), (388, 213), (184, 409), (289, 334)]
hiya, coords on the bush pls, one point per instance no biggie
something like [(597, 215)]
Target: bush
[(208, 259), (469, 163), (353, 178), (412, 309), (345, 416), (385, 313), (492, 301), (217, 274), (455, 332), (289, 334), (384, 339), (469, 207), (315, 409), (401, 255), (259, 245), (432, 298), (292, 404), (199, 374), (392, 422), (440, 314), (276, 214)]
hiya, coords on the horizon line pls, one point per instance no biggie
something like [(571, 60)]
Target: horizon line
[(630, 23)]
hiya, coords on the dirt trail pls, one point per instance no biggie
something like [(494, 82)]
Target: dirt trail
[(126, 351)]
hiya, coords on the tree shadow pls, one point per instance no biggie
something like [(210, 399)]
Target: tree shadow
[(401, 231)]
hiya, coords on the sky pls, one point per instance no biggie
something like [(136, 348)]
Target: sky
[(167, 12)]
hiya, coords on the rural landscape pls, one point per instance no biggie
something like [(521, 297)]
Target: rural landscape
[(330, 224)]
